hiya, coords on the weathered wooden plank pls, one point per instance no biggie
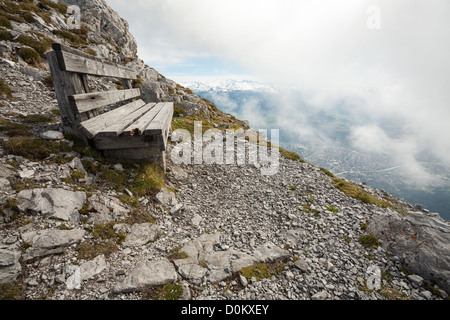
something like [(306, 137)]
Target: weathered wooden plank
[(72, 62), (93, 126), (138, 127), (86, 102), (120, 125), (162, 120), (124, 141), (65, 84)]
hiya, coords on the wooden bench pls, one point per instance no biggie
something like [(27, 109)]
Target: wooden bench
[(131, 129)]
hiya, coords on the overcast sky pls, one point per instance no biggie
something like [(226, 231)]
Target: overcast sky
[(391, 58)]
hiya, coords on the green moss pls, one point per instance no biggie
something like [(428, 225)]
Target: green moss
[(262, 270), (369, 241), (33, 149), (77, 175), (292, 188), (30, 56), (4, 22), (168, 292)]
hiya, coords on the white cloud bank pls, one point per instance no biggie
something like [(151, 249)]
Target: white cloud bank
[(324, 47)]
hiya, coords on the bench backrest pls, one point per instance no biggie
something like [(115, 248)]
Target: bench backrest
[(70, 69)]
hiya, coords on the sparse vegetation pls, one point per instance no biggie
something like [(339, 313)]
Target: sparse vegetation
[(30, 56), (33, 149), (5, 90), (12, 291), (36, 118), (369, 241), (170, 291), (176, 254), (332, 208), (90, 51), (41, 46), (292, 188), (139, 217), (89, 250), (262, 270), (356, 192), (13, 129), (327, 172), (106, 232), (4, 22)]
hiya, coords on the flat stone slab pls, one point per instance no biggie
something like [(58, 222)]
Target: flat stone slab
[(204, 263), (139, 234), (147, 274), (54, 203), (50, 241), (9, 265)]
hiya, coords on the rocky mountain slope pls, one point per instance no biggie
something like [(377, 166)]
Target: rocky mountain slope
[(74, 225)]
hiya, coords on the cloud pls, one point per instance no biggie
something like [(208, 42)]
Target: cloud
[(400, 72)]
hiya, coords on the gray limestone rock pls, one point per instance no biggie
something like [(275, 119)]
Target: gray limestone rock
[(9, 265), (419, 240), (147, 274), (53, 203), (50, 241)]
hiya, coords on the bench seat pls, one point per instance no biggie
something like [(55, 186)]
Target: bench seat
[(133, 130)]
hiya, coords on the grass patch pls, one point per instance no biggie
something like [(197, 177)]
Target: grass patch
[(33, 149), (369, 241), (76, 37), (4, 22), (90, 51), (30, 56), (12, 129), (292, 188), (169, 292), (139, 217), (106, 232), (327, 172), (58, 6), (88, 250), (332, 208), (290, 155), (140, 177), (4, 89), (36, 118), (262, 270), (357, 193), (41, 46), (176, 254), (5, 35), (12, 291)]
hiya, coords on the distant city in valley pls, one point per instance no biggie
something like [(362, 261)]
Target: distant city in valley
[(322, 137)]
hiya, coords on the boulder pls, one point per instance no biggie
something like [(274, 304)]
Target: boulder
[(50, 241), (419, 240), (53, 203), (147, 274), (10, 267), (139, 234)]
